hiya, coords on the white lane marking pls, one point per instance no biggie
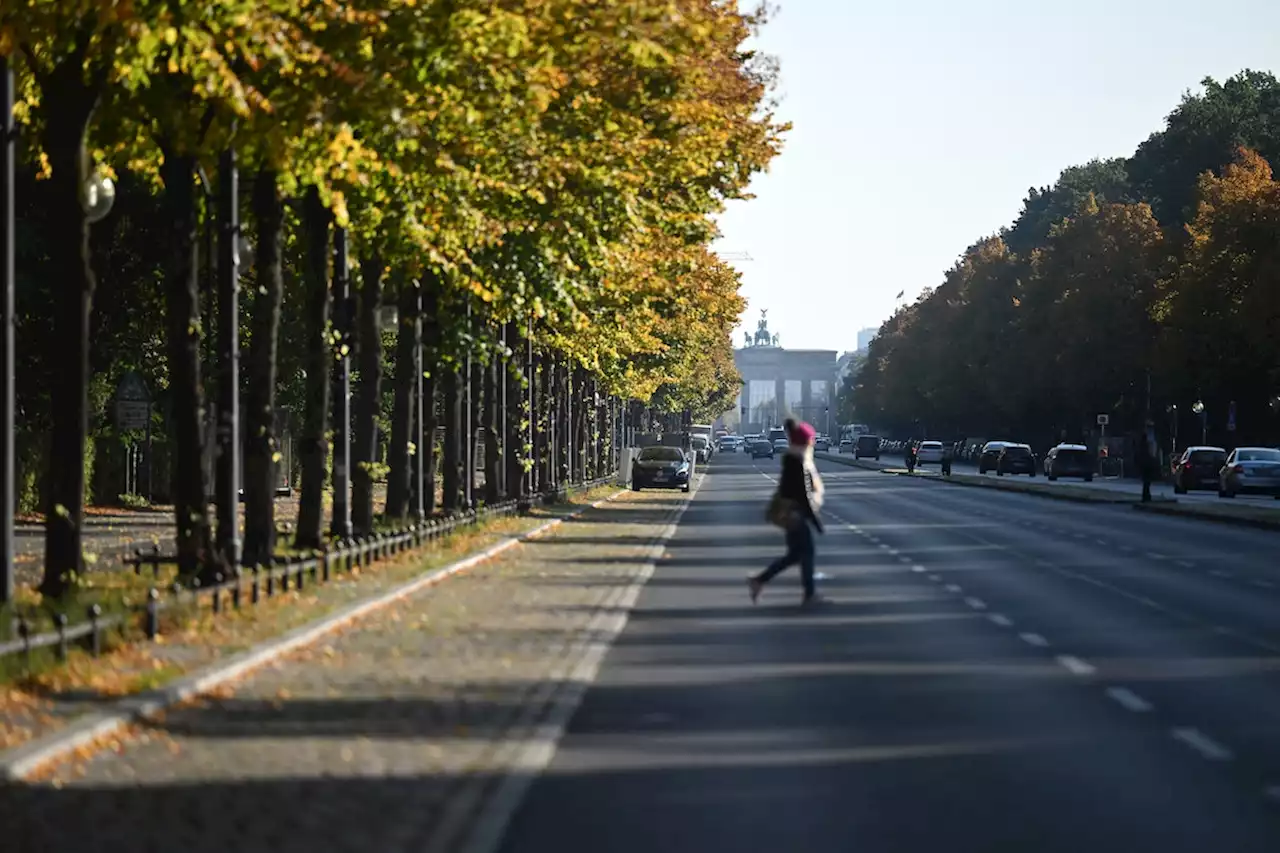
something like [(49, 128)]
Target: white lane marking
[(1101, 542), (1152, 555), (955, 588), (1129, 700), (919, 569), (1075, 666), (903, 558), (1219, 573), (1202, 743), (976, 603), (1033, 639), (1186, 564), (1001, 620)]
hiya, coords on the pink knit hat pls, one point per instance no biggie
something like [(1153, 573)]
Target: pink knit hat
[(802, 434)]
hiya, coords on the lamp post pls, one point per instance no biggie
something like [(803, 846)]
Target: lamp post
[(1198, 408), (8, 413)]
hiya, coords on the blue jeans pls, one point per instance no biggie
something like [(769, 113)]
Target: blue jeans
[(800, 549)]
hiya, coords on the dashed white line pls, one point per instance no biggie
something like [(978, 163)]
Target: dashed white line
[(1101, 542), (1075, 666), (1186, 564), (904, 559), (1219, 573), (954, 588), (1129, 700), (918, 569), (1202, 743), (1001, 620), (976, 603), (884, 547), (1033, 639)]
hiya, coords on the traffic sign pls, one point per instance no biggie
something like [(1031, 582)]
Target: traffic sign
[(1103, 420), (133, 387)]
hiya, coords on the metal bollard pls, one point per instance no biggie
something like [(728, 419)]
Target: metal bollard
[(94, 612), (153, 613)]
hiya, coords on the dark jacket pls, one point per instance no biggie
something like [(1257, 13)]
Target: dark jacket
[(794, 485)]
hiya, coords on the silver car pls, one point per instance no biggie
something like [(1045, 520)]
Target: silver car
[(1250, 471)]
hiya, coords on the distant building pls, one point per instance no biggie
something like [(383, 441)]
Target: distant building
[(865, 337), (780, 383)]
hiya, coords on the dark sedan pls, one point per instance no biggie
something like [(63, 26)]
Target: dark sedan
[(761, 447), (1016, 459), (1198, 468), (661, 468)]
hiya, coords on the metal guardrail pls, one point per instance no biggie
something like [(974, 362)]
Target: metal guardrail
[(253, 583)]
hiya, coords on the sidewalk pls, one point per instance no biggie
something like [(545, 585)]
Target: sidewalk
[(381, 737)]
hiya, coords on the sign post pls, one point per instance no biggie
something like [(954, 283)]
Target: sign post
[(133, 412)]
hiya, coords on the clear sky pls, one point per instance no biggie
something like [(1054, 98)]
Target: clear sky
[(919, 127)]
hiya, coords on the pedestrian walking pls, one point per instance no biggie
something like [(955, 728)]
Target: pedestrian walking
[(794, 507), (1148, 458)]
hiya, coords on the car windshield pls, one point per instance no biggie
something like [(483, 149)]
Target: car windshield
[(1258, 454), (661, 454), (1205, 457)]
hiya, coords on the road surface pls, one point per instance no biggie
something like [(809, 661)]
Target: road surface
[(994, 672)]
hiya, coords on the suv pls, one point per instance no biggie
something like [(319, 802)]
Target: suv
[(1198, 468), (1068, 460), (866, 447), (1016, 459)]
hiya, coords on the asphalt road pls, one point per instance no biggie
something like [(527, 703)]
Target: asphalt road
[(993, 672)]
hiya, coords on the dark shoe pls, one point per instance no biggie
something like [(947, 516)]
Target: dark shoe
[(753, 587)]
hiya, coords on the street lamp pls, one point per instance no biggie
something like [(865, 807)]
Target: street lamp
[(98, 196), (1198, 408)]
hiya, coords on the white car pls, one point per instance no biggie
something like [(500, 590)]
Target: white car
[(930, 451)]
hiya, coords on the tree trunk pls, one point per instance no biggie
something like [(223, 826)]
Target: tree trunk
[(492, 436), (475, 412), (514, 445), (364, 451), (431, 413), (315, 418), (452, 475), (72, 275), (260, 444), (400, 478), (182, 305)]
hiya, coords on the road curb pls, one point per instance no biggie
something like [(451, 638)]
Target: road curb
[(21, 761), (1188, 511)]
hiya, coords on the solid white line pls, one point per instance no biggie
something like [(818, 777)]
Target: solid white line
[(1033, 639), (1075, 666), (1001, 620), (951, 587), (976, 603), (1203, 744), (1129, 700), (917, 568)]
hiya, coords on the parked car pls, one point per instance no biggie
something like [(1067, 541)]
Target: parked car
[(1199, 467), (1016, 459), (1251, 471), (761, 448), (929, 451), (660, 467), (867, 447), (990, 455), (1068, 460)]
